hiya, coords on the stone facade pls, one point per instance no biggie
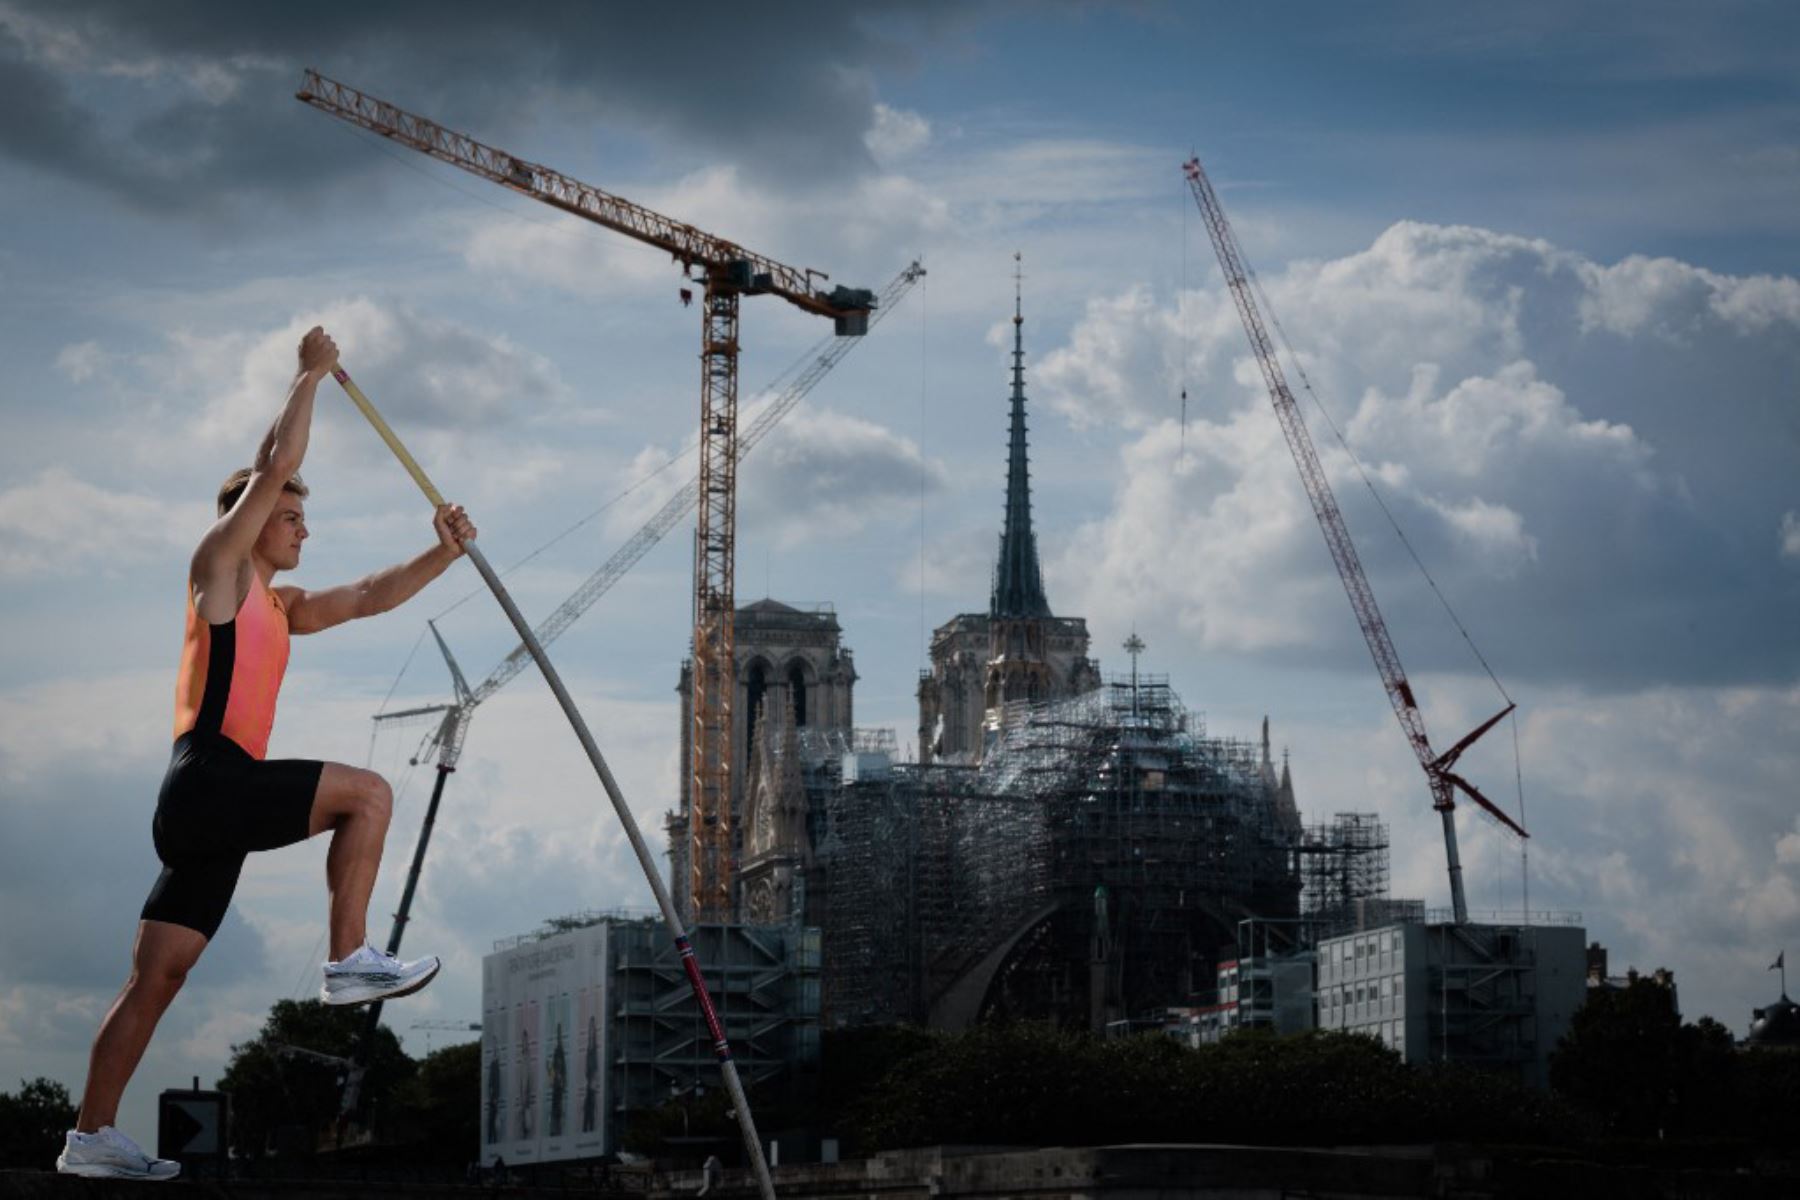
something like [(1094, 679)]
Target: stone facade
[(969, 682), (789, 660), (776, 850)]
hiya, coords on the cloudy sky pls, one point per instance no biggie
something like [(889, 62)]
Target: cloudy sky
[(1542, 268)]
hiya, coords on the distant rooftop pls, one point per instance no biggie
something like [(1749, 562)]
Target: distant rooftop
[(797, 614)]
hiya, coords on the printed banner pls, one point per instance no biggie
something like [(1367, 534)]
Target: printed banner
[(544, 1049)]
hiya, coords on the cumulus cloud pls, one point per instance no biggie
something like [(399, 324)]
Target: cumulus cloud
[(817, 474), (1698, 812), (1790, 534), (1531, 417), (825, 474), (567, 254), (424, 370), (1787, 846), (477, 403), (81, 361), (896, 133), (1674, 299), (57, 523)]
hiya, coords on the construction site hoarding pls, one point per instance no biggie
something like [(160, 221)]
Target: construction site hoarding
[(543, 1049)]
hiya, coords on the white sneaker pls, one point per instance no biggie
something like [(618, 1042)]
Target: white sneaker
[(109, 1154), (370, 974)]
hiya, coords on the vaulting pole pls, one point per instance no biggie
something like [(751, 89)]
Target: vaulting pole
[(740, 1104)]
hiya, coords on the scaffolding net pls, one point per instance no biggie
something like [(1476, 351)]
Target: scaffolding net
[(1093, 866)]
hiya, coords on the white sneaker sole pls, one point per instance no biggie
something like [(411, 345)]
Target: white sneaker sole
[(105, 1171), (368, 993)]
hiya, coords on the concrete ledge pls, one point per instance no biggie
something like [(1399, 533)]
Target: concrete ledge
[(1127, 1172)]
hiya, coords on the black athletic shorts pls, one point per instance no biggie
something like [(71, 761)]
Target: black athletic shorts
[(217, 804)]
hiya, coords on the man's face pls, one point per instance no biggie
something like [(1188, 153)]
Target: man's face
[(281, 536)]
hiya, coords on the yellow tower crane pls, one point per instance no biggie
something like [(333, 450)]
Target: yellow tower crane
[(727, 271)]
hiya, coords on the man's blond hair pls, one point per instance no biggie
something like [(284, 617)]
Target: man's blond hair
[(235, 483)]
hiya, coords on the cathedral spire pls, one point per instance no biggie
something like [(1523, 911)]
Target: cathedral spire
[(1018, 581)]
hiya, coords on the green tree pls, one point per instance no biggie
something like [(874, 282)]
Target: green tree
[(438, 1110), (1630, 1062), (273, 1091), (32, 1123), (1768, 1095), (1036, 1085)]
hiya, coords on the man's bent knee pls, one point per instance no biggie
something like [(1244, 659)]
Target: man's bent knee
[(158, 983), (377, 798), (162, 957), (351, 792)]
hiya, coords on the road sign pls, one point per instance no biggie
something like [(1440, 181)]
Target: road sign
[(191, 1125)]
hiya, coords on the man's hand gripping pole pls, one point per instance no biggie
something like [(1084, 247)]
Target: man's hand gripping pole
[(727, 1066)]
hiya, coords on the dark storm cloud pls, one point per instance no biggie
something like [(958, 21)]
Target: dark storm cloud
[(42, 122), (179, 103)]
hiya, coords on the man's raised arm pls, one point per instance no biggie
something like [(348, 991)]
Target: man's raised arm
[(216, 572), (309, 612)]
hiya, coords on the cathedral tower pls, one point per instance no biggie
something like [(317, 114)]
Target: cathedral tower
[(1016, 651)]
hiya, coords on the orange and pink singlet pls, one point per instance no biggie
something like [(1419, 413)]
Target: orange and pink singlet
[(221, 798), (231, 673)]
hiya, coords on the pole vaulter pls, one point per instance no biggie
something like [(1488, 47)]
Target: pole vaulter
[(727, 1065)]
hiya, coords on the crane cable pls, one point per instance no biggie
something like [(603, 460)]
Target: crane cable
[(1343, 443), (1181, 318)]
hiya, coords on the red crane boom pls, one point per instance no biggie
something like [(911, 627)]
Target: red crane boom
[(1443, 781)]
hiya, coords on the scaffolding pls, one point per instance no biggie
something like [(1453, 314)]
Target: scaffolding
[(1343, 867), (1091, 868), (614, 984)]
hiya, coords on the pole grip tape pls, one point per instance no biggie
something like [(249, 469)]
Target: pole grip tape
[(692, 966)]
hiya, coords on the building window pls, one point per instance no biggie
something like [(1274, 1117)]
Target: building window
[(797, 688), (755, 684)]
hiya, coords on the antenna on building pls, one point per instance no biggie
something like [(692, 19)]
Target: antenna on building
[(1134, 646)]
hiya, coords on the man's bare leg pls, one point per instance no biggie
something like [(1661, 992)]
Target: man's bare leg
[(160, 960), (356, 805)]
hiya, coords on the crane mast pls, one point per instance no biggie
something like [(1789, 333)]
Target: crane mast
[(728, 271), (1442, 780)]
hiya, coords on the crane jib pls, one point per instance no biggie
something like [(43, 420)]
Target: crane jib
[(727, 264)]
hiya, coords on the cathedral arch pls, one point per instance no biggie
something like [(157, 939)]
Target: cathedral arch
[(758, 674), (802, 683)]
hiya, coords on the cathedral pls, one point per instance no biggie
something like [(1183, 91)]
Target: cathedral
[(1066, 847)]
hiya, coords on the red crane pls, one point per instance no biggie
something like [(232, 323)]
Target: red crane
[(1443, 781)]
